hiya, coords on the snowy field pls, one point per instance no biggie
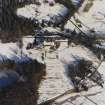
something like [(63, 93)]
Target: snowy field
[(56, 82), (44, 12), (94, 18)]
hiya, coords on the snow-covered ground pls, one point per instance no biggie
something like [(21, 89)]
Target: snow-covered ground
[(69, 55), (13, 52), (92, 19), (43, 12), (56, 81)]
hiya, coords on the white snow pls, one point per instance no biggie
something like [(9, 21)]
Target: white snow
[(93, 19), (29, 11), (68, 56), (12, 51), (56, 81)]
